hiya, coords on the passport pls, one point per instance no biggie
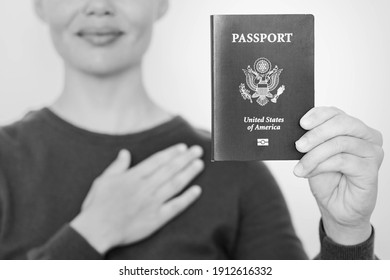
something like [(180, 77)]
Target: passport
[(262, 85)]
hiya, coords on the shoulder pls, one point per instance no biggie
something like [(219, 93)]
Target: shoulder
[(20, 134), (30, 121)]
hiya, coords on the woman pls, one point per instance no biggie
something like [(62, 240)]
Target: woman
[(106, 173)]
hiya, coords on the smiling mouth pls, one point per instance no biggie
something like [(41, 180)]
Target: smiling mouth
[(100, 37)]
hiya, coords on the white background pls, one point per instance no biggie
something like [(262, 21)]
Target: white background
[(352, 59)]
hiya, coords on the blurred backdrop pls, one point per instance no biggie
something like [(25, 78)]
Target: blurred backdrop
[(352, 72)]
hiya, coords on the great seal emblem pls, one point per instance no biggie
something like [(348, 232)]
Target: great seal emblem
[(262, 80)]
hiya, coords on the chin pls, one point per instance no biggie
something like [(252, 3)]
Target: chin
[(104, 68)]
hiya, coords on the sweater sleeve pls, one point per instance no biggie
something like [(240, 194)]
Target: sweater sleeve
[(265, 229), (333, 251), (66, 244)]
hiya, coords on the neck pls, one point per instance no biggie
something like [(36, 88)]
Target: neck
[(115, 104)]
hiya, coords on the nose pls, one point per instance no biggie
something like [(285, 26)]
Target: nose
[(99, 8)]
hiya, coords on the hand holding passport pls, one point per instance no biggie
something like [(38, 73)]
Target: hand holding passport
[(263, 99)]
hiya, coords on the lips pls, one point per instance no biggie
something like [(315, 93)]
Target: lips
[(100, 36)]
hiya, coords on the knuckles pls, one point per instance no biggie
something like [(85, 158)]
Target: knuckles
[(175, 183), (342, 161), (323, 111), (336, 110), (379, 155), (318, 113), (343, 121), (340, 144), (379, 136)]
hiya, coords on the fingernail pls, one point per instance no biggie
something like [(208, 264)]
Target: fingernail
[(196, 190), (123, 153), (301, 143), (308, 113), (181, 147), (196, 150), (299, 170), (305, 122), (198, 164)]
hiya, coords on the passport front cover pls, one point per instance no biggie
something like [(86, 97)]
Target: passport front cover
[(262, 84)]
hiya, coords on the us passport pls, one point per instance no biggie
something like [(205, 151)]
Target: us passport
[(262, 84)]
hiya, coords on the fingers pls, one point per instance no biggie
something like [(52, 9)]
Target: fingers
[(326, 123), (347, 164), (119, 165), (334, 146), (167, 172), (159, 159), (179, 181), (318, 115), (178, 204)]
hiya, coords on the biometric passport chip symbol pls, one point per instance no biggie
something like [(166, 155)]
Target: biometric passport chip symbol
[(262, 80)]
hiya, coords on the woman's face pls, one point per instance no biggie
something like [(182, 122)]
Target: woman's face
[(101, 37)]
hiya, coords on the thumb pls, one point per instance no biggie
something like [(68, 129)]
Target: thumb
[(119, 165)]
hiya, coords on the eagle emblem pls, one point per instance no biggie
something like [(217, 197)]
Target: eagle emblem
[(262, 80)]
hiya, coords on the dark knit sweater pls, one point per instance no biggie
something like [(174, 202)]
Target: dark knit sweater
[(47, 167)]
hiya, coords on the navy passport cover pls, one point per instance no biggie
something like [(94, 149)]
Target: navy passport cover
[(262, 84)]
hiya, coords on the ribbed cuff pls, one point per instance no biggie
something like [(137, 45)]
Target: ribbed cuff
[(331, 250), (66, 244)]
